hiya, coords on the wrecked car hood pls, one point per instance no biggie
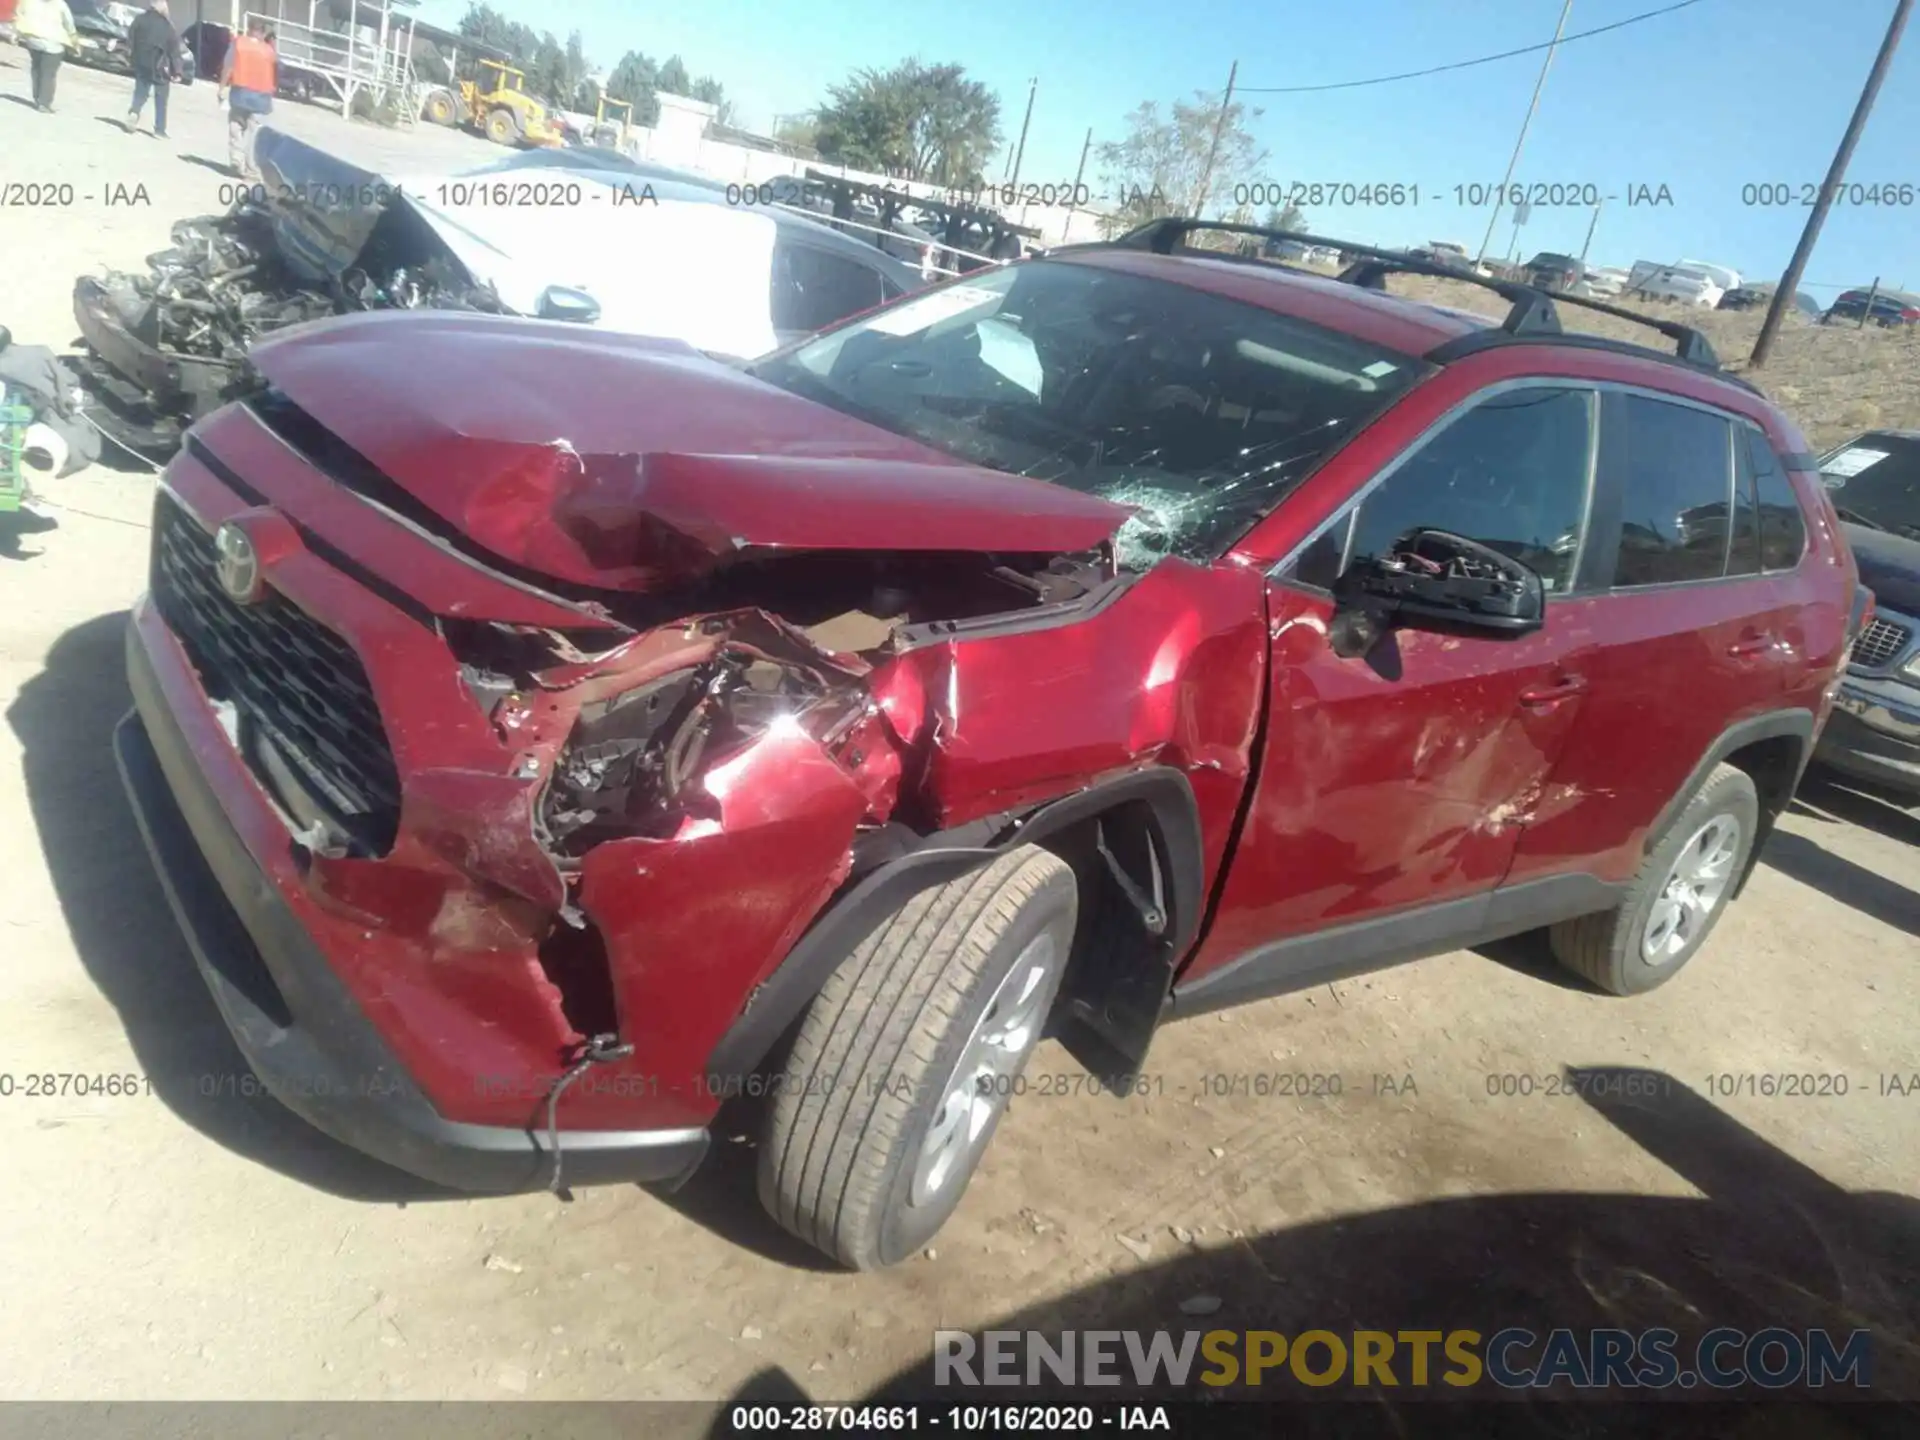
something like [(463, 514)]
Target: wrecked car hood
[(619, 462)]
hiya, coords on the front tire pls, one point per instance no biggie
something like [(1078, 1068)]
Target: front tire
[(502, 127), (905, 1061), (1682, 889)]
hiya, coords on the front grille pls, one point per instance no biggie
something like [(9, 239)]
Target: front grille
[(1879, 643), (284, 672)]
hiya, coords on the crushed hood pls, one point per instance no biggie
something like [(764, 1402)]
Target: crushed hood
[(693, 271), (619, 462)]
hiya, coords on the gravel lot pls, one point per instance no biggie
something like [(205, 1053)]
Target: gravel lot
[(183, 1242)]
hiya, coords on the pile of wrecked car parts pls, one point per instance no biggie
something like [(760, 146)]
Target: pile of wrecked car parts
[(316, 237)]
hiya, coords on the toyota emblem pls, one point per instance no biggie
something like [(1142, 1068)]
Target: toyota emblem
[(236, 564)]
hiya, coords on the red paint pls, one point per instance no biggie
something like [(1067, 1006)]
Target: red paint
[(714, 465)]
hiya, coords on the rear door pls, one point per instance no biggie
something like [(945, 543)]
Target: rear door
[(1690, 629), (1400, 782)]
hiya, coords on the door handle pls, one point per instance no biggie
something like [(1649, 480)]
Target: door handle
[(1750, 645), (1564, 688)]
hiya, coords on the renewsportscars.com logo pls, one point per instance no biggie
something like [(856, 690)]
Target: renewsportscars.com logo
[(1514, 1359)]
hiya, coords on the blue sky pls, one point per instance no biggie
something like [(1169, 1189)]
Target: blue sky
[(1706, 101)]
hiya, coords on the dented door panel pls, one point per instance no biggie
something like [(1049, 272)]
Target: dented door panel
[(1396, 781)]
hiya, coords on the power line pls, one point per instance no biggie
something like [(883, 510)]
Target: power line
[(1468, 64)]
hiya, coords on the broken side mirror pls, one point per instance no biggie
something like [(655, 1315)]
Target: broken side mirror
[(559, 302), (1437, 581)]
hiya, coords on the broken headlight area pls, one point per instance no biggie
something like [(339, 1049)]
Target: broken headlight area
[(166, 347)]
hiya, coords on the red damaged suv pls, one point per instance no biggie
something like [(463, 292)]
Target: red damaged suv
[(544, 735)]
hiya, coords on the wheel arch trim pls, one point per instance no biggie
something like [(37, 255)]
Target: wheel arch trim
[(1785, 724), (947, 855)]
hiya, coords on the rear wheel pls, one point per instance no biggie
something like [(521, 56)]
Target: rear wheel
[(905, 1061), (1677, 898)]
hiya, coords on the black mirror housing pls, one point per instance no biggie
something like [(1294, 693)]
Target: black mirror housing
[(558, 302), (1436, 580)]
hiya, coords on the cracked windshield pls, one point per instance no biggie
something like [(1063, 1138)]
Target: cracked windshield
[(1200, 412)]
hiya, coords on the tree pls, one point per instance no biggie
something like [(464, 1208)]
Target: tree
[(563, 73), (925, 122), (800, 131), (709, 91), (1161, 167), (1289, 218), (674, 78)]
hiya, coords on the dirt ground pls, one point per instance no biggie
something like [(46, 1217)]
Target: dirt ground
[(181, 1243)]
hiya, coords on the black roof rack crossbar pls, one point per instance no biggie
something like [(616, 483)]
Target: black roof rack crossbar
[(1532, 313)]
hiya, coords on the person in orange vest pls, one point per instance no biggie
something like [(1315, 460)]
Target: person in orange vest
[(247, 82)]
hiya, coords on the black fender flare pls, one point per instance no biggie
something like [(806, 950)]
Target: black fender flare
[(1794, 724), (1173, 820)]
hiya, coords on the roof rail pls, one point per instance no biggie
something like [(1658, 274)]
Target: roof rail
[(1532, 315)]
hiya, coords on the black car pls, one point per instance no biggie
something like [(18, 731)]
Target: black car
[(1874, 733), (1551, 271), (1755, 297), (1887, 309), (102, 41)]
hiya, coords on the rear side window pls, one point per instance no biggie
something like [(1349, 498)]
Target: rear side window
[(1673, 466), (812, 289), (1783, 530), (1510, 473)]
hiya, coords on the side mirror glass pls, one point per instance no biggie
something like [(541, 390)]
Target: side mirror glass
[(558, 302), (1434, 580)]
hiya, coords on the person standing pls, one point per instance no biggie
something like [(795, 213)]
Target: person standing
[(156, 63), (247, 82), (45, 29)]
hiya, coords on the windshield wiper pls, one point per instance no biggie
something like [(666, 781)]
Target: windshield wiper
[(1854, 517)]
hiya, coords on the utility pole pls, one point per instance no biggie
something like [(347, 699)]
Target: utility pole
[(1592, 225), (1533, 105), (1837, 172), (1073, 200), (1213, 150), (1019, 153)]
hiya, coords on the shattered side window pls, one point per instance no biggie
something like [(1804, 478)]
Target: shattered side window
[(1201, 412)]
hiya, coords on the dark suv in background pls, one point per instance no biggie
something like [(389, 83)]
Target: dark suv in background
[(1874, 735), (1889, 309), (1553, 272)]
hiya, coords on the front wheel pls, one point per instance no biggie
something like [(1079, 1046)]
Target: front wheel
[(1679, 895), (906, 1059), (502, 128)]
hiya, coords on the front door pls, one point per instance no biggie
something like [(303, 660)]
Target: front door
[(1402, 781)]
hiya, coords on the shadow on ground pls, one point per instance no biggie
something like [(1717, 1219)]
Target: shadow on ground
[(125, 934), (1831, 801), (1771, 1244), (1825, 795)]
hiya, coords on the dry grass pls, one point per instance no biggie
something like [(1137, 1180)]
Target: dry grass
[(1834, 380)]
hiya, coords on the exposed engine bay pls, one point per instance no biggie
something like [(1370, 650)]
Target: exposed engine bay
[(638, 756)]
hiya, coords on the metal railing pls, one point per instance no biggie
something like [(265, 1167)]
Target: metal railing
[(928, 270), (347, 62)]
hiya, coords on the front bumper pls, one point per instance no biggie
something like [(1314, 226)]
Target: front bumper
[(302, 1032), (1873, 733)]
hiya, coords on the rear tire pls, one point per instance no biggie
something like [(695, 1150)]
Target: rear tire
[(439, 109), (896, 1080), (1682, 889)]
